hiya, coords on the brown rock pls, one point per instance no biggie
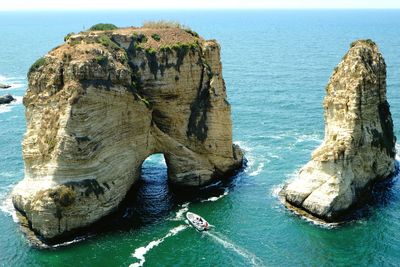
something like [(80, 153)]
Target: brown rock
[(100, 104), (359, 144)]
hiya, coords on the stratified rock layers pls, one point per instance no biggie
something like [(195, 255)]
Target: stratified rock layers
[(100, 104), (359, 144)]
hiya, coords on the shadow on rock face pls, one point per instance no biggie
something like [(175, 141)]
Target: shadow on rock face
[(381, 195)]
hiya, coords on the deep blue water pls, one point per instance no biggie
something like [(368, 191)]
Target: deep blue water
[(276, 65)]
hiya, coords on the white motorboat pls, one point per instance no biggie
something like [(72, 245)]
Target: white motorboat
[(197, 221)]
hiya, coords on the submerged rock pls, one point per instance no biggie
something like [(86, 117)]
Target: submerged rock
[(359, 144), (6, 99), (99, 105)]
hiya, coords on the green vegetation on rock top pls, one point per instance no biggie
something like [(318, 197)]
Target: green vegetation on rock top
[(107, 42), (367, 41), (38, 63), (156, 37), (66, 37), (103, 27)]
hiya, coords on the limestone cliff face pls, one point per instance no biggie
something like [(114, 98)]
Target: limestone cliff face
[(100, 104), (359, 144)]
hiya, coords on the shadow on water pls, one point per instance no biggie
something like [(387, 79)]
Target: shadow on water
[(150, 201)]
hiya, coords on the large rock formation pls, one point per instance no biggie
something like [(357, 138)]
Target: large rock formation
[(359, 144), (100, 104)]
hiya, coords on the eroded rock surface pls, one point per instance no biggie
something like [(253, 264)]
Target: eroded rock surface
[(359, 144), (100, 104)]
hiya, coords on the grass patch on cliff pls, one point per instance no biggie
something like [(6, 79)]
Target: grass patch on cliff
[(66, 37), (139, 37), (107, 42), (156, 37), (101, 60), (103, 27), (35, 66), (179, 46), (163, 24)]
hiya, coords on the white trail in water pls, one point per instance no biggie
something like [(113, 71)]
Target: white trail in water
[(226, 243), (179, 214), (142, 251), (213, 199)]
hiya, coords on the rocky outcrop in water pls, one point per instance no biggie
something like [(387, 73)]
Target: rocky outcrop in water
[(359, 144), (6, 99), (4, 86), (103, 102)]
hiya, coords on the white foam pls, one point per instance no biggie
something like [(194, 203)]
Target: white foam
[(76, 240), (7, 207), (212, 199), (259, 169), (308, 137), (142, 251), (276, 189), (225, 242), (255, 165), (397, 146), (15, 82), (7, 107), (17, 85), (179, 214)]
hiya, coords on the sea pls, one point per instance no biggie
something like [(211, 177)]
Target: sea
[(276, 64)]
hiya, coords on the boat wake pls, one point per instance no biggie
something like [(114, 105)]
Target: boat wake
[(142, 251), (179, 214), (226, 243), (212, 199)]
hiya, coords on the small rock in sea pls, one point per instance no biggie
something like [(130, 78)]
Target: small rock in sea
[(6, 99), (4, 86)]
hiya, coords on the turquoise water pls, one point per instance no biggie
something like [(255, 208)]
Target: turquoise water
[(276, 65)]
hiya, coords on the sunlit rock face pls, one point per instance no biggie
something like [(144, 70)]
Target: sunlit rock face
[(359, 144), (100, 104)]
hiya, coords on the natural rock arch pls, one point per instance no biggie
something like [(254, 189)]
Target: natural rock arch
[(100, 104)]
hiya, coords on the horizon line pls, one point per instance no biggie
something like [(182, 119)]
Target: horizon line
[(205, 9)]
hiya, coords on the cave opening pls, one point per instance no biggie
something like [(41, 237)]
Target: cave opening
[(150, 199), (154, 199)]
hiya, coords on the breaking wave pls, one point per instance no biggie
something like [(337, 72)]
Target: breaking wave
[(6, 205), (15, 82), (255, 165), (8, 107)]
